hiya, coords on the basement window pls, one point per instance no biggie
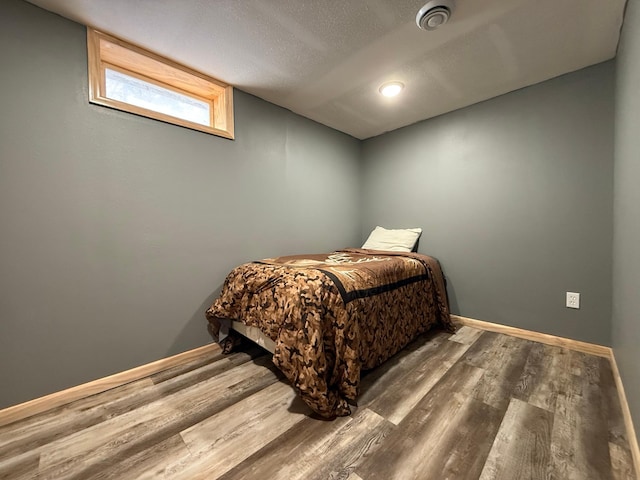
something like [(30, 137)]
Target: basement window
[(134, 80)]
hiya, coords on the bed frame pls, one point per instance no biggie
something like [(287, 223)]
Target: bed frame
[(255, 335)]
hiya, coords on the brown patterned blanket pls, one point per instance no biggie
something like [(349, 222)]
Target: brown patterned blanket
[(333, 315)]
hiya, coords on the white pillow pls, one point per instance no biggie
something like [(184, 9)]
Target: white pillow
[(399, 240)]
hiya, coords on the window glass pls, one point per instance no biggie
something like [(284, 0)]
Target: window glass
[(135, 91)]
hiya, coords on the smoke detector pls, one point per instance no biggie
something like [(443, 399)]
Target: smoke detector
[(434, 14)]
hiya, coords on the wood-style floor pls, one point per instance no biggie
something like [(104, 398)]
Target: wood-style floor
[(473, 405)]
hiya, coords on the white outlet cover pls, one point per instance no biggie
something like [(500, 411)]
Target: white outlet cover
[(573, 300)]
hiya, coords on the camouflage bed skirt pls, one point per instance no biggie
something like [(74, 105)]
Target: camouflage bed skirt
[(333, 315)]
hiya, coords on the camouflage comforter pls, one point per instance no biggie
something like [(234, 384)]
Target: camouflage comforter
[(333, 315)]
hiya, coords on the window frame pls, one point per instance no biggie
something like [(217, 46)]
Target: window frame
[(108, 52)]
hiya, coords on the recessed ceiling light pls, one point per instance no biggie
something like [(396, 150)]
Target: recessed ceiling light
[(391, 89)]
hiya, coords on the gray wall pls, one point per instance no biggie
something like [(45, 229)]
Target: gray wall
[(626, 238), (515, 199), (118, 230)]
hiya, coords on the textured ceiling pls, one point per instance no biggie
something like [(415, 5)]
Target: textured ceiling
[(325, 59)]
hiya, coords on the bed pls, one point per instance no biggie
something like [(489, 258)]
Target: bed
[(327, 317)]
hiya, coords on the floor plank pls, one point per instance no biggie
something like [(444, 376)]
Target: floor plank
[(20, 467), (580, 436), (250, 353), (464, 447), (522, 446), (611, 403), (343, 454), (545, 374), (466, 335), (503, 360), (149, 464)]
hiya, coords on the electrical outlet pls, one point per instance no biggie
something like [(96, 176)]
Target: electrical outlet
[(573, 300)]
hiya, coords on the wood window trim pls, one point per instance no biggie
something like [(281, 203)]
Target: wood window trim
[(105, 51)]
